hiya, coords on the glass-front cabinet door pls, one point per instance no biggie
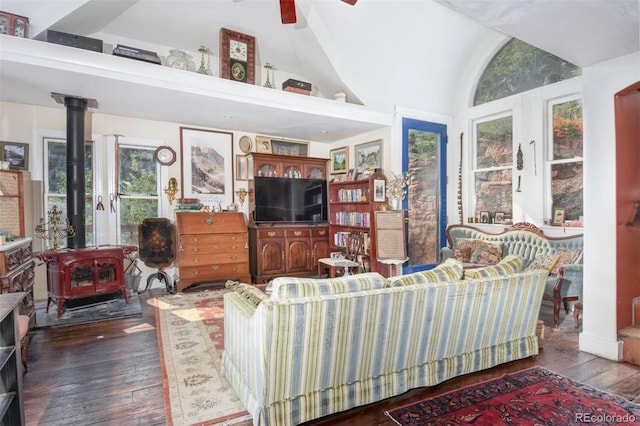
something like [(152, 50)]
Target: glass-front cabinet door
[(424, 161)]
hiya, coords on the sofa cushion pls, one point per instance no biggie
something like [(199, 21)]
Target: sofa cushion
[(292, 287), (448, 271), (511, 264), (487, 253), (543, 261), (566, 256), (464, 248)]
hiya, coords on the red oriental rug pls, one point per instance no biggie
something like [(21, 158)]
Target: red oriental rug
[(534, 396)]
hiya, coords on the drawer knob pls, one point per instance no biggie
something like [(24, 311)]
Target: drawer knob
[(271, 234), (196, 249), (234, 257), (196, 260), (215, 267), (297, 233)]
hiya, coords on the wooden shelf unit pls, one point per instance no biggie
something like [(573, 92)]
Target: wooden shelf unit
[(11, 397), (285, 249), (351, 209)]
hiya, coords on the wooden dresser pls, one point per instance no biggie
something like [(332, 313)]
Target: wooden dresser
[(211, 247), (17, 269)]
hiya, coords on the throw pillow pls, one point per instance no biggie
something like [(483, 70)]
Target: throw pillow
[(511, 264), (487, 253), (463, 248), (565, 256), (448, 271), (543, 261)]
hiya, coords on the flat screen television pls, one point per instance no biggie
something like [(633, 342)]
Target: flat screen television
[(290, 200)]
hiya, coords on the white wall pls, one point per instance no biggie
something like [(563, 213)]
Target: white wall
[(601, 82)]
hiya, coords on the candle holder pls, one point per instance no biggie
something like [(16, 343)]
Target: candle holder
[(269, 82), (203, 69), (242, 195), (53, 229), (171, 189)]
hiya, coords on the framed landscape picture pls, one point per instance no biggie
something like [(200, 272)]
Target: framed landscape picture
[(369, 155), (207, 165), (339, 160), (15, 154)]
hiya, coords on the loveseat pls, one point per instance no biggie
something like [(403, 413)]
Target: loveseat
[(561, 256), (319, 346)]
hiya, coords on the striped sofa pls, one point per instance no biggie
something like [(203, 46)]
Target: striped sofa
[(320, 346)]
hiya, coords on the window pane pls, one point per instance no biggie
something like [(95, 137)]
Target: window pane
[(494, 143), (132, 213), (494, 192), (566, 188), (424, 183), (137, 172), (57, 185), (519, 67), (567, 130)]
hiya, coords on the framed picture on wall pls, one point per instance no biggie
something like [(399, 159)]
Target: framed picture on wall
[(369, 155), (379, 189), (15, 154), (484, 217), (339, 160), (207, 165)]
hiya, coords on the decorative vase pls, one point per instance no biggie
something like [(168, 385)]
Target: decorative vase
[(180, 60), (396, 203)]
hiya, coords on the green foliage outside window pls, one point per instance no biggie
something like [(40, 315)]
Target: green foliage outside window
[(519, 67)]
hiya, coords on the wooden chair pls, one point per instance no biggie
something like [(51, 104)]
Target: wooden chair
[(347, 265)]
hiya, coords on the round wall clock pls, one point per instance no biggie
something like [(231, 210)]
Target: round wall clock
[(164, 155), (245, 144)]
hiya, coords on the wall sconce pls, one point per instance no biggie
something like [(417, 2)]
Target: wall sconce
[(171, 190), (242, 195)]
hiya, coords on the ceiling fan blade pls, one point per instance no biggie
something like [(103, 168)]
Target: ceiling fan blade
[(351, 2), (288, 11)]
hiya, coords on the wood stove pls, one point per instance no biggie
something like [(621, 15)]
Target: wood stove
[(83, 273)]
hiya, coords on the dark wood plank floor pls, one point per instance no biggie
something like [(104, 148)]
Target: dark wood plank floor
[(108, 374)]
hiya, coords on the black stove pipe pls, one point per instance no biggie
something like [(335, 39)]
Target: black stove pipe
[(76, 108)]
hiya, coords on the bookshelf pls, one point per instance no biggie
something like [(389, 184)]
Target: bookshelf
[(351, 210)]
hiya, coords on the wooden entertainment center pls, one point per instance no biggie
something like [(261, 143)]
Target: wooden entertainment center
[(281, 249)]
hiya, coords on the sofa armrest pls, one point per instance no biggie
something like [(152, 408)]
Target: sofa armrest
[(445, 253), (570, 280)]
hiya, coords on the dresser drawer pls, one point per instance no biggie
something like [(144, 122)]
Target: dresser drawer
[(320, 232), (298, 233), (198, 223), (204, 259), (214, 272), (219, 240), (190, 249), (271, 233)]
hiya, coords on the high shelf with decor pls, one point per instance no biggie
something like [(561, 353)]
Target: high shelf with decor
[(212, 247), (351, 210), (286, 247)]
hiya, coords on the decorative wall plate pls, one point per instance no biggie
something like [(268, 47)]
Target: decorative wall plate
[(245, 144)]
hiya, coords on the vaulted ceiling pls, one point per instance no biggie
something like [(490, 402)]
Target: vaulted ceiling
[(382, 53)]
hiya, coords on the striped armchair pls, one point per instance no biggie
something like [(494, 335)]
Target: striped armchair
[(326, 346)]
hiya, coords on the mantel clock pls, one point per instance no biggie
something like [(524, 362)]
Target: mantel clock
[(237, 56)]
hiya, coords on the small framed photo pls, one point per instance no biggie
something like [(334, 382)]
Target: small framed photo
[(379, 188), (484, 217), (498, 217), (15, 154), (558, 217), (369, 155), (339, 160), (351, 175), (242, 167)]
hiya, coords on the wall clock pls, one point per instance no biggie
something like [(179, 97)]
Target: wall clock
[(164, 155), (245, 144), (237, 56)]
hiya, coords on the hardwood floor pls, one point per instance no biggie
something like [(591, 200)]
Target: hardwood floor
[(108, 374)]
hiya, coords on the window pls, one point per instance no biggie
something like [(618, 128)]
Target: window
[(123, 176), (137, 190), (519, 67), (493, 166), (56, 187), (565, 169)]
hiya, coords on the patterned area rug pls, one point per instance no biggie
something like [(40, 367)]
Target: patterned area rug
[(535, 396), (191, 340), (85, 311)]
